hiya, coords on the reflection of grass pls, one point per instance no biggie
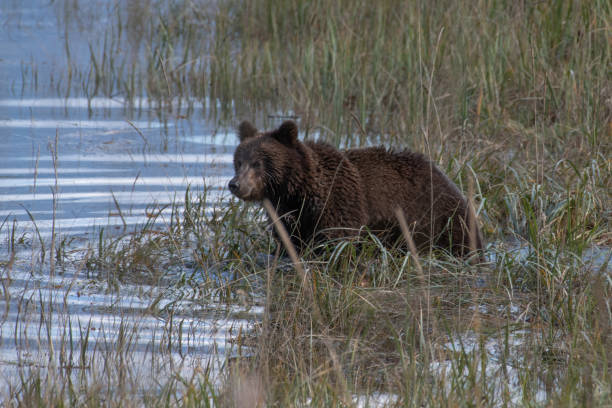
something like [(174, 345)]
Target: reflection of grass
[(515, 97)]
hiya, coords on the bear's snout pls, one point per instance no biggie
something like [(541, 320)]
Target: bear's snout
[(233, 185), (246, 184)]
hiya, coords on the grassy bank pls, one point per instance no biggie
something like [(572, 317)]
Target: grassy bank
[(513, 100)]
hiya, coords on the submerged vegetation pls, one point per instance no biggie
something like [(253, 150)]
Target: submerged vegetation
[(512, 99)]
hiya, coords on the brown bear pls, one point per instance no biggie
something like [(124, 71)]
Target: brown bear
[(322, 193), (315, 188)]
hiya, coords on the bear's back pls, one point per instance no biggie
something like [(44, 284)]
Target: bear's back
[(408, 181)]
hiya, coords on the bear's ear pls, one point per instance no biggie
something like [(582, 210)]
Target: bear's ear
[(287, 133), (246, 130)]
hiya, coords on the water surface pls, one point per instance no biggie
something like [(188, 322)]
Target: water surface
[(71, 166)]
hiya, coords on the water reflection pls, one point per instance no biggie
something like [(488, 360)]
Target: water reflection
[(73, 165)]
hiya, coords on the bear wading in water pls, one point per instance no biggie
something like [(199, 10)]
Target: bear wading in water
[(322, 193)]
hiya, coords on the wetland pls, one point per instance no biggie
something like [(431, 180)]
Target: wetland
[(131, 277)]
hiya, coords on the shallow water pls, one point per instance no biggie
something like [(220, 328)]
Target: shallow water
[(100, 160), (72, 166), (70, 322)]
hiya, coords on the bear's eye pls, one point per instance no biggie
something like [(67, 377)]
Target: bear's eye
[(238, 164), (256, 164)]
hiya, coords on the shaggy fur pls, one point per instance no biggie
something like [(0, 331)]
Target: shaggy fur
[(316, 190), (322, 193), (435, 210)]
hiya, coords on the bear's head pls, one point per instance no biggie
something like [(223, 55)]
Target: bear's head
[(262, 160)]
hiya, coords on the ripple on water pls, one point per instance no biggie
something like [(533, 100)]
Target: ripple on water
[(103, 163)]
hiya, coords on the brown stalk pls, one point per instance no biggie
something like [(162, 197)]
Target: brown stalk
[(399, 214), (284, 236)]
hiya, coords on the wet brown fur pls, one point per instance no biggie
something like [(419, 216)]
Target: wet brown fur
[(435, 210), (314, 187), (322, 193)]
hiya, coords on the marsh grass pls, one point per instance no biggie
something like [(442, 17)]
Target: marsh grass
[(513, 99), (451, 339), (118, 365)]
